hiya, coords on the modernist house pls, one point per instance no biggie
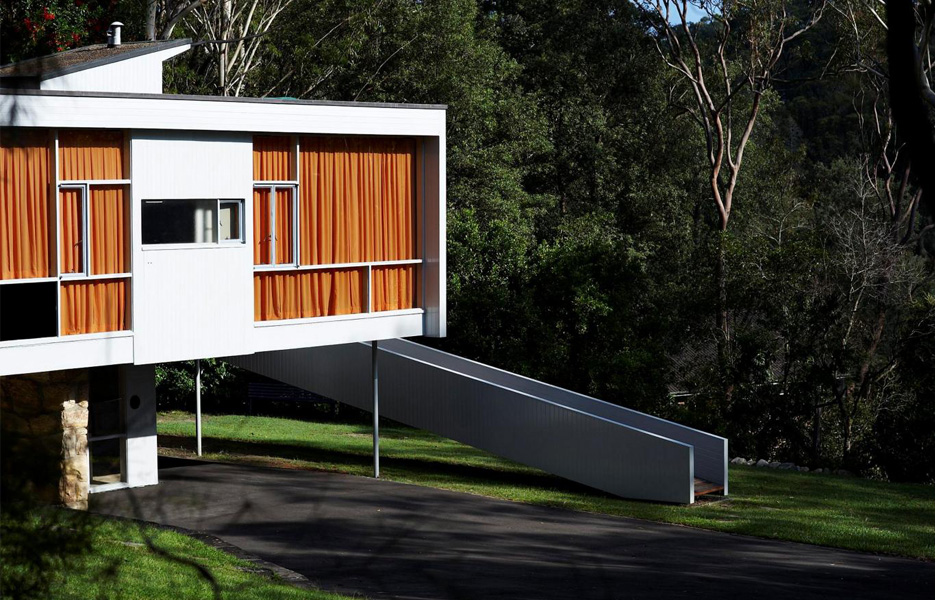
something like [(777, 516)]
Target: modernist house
[(138, 228)]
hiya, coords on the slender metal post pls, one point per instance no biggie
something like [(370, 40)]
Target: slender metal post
[(198, 407), (376, 413)]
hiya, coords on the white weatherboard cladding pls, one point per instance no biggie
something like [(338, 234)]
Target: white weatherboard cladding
[(139, 75), (196, 301)]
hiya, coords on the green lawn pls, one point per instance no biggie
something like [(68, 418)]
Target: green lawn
[(81, 556), (843, 512)]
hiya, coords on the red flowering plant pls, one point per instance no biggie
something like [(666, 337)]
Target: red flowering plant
[(31, 28)]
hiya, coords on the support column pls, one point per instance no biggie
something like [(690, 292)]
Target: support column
[(198, 444), (375, 410)]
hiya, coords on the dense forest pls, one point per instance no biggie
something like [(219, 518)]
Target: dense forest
[(719, 212)]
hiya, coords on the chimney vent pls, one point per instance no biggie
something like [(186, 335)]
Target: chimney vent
[(113, 34)]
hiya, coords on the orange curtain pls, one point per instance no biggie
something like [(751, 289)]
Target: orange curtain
[(261, 227), (25, 159), (108, 220), (92, 154), (70, 219), (284, 226), (306, 294), (273, 158), (94, 306), (357, 200), (393, 287)]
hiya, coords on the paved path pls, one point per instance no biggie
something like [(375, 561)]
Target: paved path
[(390, 540)]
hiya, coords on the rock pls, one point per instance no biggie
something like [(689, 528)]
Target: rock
[(844, 473), (803, 469), (751, 462), (761, 463), (786, 466), (738, 461), (773, 465)]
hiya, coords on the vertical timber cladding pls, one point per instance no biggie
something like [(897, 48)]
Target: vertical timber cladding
[(44, 436), (356, 207)]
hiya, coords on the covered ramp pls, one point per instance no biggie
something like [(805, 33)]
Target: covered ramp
[(602, 445)]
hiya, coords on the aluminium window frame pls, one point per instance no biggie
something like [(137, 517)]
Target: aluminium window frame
[(84, 223), (272, 187), (217, 225), (241, 237)]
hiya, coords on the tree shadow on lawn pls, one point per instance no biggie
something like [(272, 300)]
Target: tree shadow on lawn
[(355, 463)]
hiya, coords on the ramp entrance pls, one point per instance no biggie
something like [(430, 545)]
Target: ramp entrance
[(602, 445)]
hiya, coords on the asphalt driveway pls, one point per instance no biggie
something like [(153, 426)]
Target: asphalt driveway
[(391, 540)]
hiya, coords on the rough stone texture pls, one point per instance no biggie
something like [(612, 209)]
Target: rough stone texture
[(44, 431), (762, 463)]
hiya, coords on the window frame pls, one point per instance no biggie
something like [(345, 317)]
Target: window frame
[(241, 237), (272, 188), (240, 241), (84, 225)]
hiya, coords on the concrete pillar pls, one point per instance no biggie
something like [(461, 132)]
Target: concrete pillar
[(44, 432)]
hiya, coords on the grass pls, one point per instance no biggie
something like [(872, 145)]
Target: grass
[(78, 555), (842, 512)]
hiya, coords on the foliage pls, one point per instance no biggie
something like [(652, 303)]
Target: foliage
[(582, 241), (31, 28), (124, 559)]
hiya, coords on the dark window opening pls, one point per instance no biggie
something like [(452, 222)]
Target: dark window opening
[(106, 461), (28, 311), (180, 221)]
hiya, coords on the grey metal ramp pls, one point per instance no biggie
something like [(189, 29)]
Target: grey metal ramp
[(614, 449)]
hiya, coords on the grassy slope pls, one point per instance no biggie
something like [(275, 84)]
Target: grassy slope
[(827, 510), (127, 560)]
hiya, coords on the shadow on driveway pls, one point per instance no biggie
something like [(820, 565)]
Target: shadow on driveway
[(390, 540)]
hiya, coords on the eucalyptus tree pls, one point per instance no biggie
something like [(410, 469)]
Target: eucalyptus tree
[(724, 68)]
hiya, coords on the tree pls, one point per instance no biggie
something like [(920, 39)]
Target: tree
[(724, 67)]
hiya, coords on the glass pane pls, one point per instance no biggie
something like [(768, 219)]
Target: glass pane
[(284, 225), (110, 230), (230, 221), (262, 231), (71, 243), (180, 221)]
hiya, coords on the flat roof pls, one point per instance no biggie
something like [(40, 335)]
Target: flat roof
[(229, 99), (87, 57)]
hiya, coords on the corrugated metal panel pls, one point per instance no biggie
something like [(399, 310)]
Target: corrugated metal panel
[(711, 451), (463, 401)]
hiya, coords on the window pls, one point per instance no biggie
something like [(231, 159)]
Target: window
[(193, 221), (230, 224), (72, 237), (274, 225)]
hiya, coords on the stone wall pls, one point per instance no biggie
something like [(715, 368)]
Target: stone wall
[(44, 433)]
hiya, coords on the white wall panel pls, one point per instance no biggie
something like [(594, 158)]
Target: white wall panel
[(342, 331), (143, 75), (141, 454), (194, 302), (197, 114), (136, 74), (65, 353)]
